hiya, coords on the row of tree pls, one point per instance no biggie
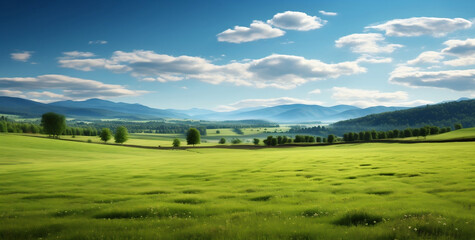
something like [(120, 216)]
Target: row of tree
[(121, 134), (408, 132), (9, 126)]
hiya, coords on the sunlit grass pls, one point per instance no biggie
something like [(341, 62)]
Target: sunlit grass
[(70, 190)]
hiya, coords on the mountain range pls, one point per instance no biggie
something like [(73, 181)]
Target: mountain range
[(94, 109)]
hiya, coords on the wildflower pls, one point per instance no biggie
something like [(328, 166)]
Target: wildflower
[(409, 227), (415, 229)]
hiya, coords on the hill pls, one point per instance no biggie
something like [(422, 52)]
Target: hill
[(298, 113), (102, 109), (443, 114), (89, 109)]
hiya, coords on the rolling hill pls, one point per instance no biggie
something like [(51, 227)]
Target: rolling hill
[(89, 109), (102, 109), (298, 113), (442, 115)]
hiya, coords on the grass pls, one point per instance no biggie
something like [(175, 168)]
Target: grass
[(54, 189)]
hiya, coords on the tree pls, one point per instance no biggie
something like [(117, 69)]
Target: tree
[(218, 132), (285, 140), (319, 139), (236, 141), (268, 140), (331, 138), (222, 141), (458, 126), (53, 123), (3, 127), (256, 141), (121, 135), (407, 132), (176, 142), (279, 139), (105, 134), (311, 139), (423, 132), (274, 141), (368, 136), (193, 136)]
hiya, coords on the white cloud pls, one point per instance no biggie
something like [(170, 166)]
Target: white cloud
[(463, 50), (72, 88), (257, 30), (458, 80), (77, 54), (21, 56), (92, 63), (462, 61), (426, 57), (249, 103), (280, 71), (296, 21), (417, 26), (315, 91), (366, 43), (327, 13), (11, 93), (101, 42), (365, 58), (460, 48), (369, 98)]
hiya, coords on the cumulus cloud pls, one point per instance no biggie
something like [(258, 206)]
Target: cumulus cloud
[(462, 50), (257, 30), (91, 64), (417, 26), (315, 91), (296, 21), (21, 56), (280, 71), (366, 43), (72, 88), (458, 80), (368, 98), (101, 42), (270, 102), (77, 54), (327, 13), (426, 57), (365, 58)]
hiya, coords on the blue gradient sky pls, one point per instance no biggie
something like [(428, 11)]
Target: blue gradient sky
[(268, 71)]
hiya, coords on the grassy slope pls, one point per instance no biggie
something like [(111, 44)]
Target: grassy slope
[(51, 188), (458, 134)]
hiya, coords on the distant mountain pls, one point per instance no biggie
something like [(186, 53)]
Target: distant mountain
[(103, 109), (297, 113), (89, 109), (193, 111), (138, 110), (442, 115)]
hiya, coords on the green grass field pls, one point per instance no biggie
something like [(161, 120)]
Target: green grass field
[(53, 189)]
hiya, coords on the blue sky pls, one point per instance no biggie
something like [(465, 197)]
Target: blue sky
[(226, 55)]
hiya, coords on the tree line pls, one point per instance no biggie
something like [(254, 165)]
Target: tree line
[(10, 126), (396, 133), (440, 115)]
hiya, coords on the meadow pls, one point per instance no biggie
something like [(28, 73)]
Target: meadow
[(53, 189)]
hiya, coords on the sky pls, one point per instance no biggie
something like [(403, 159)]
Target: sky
[(227, 55)]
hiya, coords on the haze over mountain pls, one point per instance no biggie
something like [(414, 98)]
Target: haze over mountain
[(102, 109)]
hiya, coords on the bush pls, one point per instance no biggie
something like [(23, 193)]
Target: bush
[(236, 141), (105, 134), (121, 135), (256, 141), (176, 142), (222, 141)]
